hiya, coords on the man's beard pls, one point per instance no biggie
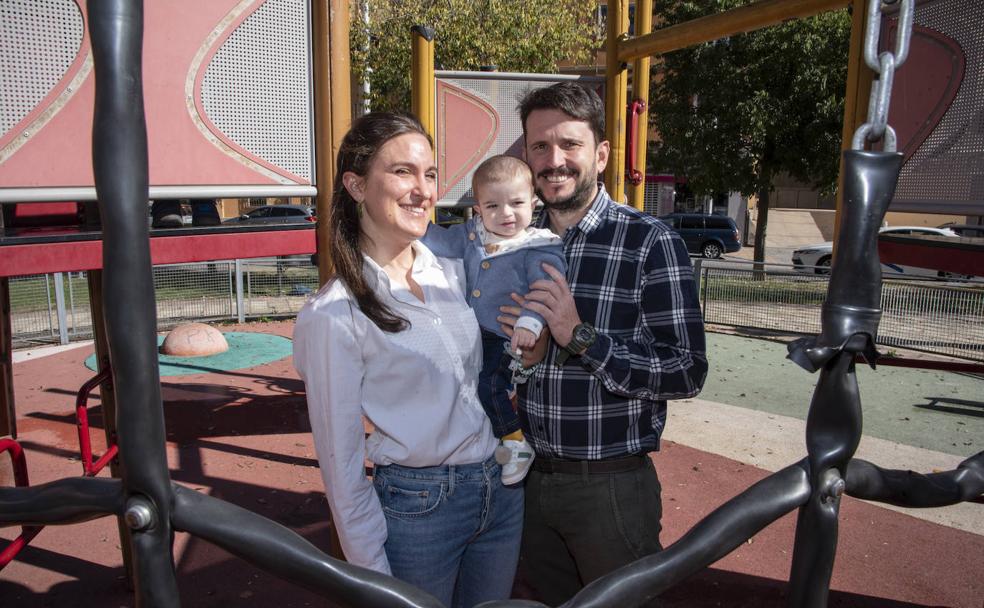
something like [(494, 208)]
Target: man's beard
[(577, 200)]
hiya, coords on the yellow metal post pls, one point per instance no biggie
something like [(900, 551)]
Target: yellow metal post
[(859, 79), (422, 81), (728, 23), (422, 77), (332, 119), (332, 108), (616, 81), (640, 91)]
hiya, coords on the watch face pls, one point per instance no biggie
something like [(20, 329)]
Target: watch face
[(583, 334)]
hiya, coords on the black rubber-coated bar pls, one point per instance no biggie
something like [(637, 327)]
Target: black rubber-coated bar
[(65, 501), (849, 320), (910, 489), (119, 162), (833, 431), (282, 552), (709, 540)]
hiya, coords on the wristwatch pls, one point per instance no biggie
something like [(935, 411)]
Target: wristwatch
[(584, 336)]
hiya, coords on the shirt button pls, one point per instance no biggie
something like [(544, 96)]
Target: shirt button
[(486, 265), (471, 236), (477, 293)]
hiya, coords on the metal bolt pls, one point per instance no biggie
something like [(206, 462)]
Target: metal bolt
[(139, 514), (832, 485)]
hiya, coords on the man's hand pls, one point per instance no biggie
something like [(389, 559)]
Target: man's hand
[(555, 303), (507, 320), (522, 340)]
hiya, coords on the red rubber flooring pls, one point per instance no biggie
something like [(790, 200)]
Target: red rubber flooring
[(243, 436)]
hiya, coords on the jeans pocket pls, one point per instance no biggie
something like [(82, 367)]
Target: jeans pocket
[(408, 498)]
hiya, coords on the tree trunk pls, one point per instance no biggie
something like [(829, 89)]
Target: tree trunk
[(761, 226)]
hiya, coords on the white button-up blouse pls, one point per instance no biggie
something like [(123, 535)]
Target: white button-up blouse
[(417, 388)]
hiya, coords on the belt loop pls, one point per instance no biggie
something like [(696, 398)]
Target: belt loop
[(451, 479), (585, 471)]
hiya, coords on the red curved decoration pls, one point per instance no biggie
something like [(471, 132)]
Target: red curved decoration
[(467, 128), (925, 85)]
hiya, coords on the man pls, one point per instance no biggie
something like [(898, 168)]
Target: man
[(627, 335)]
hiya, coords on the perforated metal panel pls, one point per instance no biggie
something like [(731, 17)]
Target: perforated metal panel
[(40, 40), (503, 92), (257, 88), (946, 172)]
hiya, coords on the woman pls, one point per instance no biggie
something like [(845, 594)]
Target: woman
[(391, 338)]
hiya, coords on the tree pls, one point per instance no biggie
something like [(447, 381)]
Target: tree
[(513, 35), (734, 113)]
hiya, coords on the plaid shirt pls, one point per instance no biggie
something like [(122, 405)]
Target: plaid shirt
[(632, 279)]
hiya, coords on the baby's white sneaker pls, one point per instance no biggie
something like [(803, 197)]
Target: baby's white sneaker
[(520, 458)]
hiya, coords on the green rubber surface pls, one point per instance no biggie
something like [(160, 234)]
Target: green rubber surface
[(245, 350), (935, 410)]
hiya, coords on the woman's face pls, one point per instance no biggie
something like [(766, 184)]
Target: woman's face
[(398, 191)]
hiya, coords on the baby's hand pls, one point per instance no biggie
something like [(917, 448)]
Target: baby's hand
[(522, 339)]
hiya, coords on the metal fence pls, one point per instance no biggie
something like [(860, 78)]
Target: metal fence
[(945, 318), (55, 307), (932, 316)]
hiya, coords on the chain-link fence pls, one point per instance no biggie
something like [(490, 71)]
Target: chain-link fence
[(932, 316), (55, 307)]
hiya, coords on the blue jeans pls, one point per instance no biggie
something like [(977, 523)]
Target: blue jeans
[(453, 531), (494, 382)]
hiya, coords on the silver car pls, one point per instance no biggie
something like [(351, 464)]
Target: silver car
[(817, 258)]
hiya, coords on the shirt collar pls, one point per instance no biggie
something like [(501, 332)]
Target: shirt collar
[(596, 213), (592, 219), (376, 276)]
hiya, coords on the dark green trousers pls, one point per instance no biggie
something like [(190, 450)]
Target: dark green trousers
[(579, 527)]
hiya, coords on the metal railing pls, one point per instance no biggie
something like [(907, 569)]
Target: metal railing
[(55, 307), (931, 316), (945, 318)]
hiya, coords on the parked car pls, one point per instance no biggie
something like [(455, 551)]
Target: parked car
[(446, 216), (817, 258), (276, 214), (966, 230), (706, 235)]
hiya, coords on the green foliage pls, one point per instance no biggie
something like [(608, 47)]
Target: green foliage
[(734, 112), (513, 35)]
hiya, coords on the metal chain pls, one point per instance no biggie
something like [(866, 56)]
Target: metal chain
[(884, 65)]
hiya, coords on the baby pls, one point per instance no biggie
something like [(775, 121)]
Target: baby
[(502, 254)]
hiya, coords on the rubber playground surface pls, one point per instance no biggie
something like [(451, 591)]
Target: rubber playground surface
[(242, 435)]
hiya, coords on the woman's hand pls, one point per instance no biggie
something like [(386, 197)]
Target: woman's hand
[(507, 320)]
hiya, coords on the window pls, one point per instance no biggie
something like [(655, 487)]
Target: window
[(692, 223), (601, 18)]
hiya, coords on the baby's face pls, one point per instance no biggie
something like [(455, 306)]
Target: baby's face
[(506, 206)]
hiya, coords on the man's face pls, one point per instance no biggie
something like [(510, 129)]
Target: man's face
[(564, 158)]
